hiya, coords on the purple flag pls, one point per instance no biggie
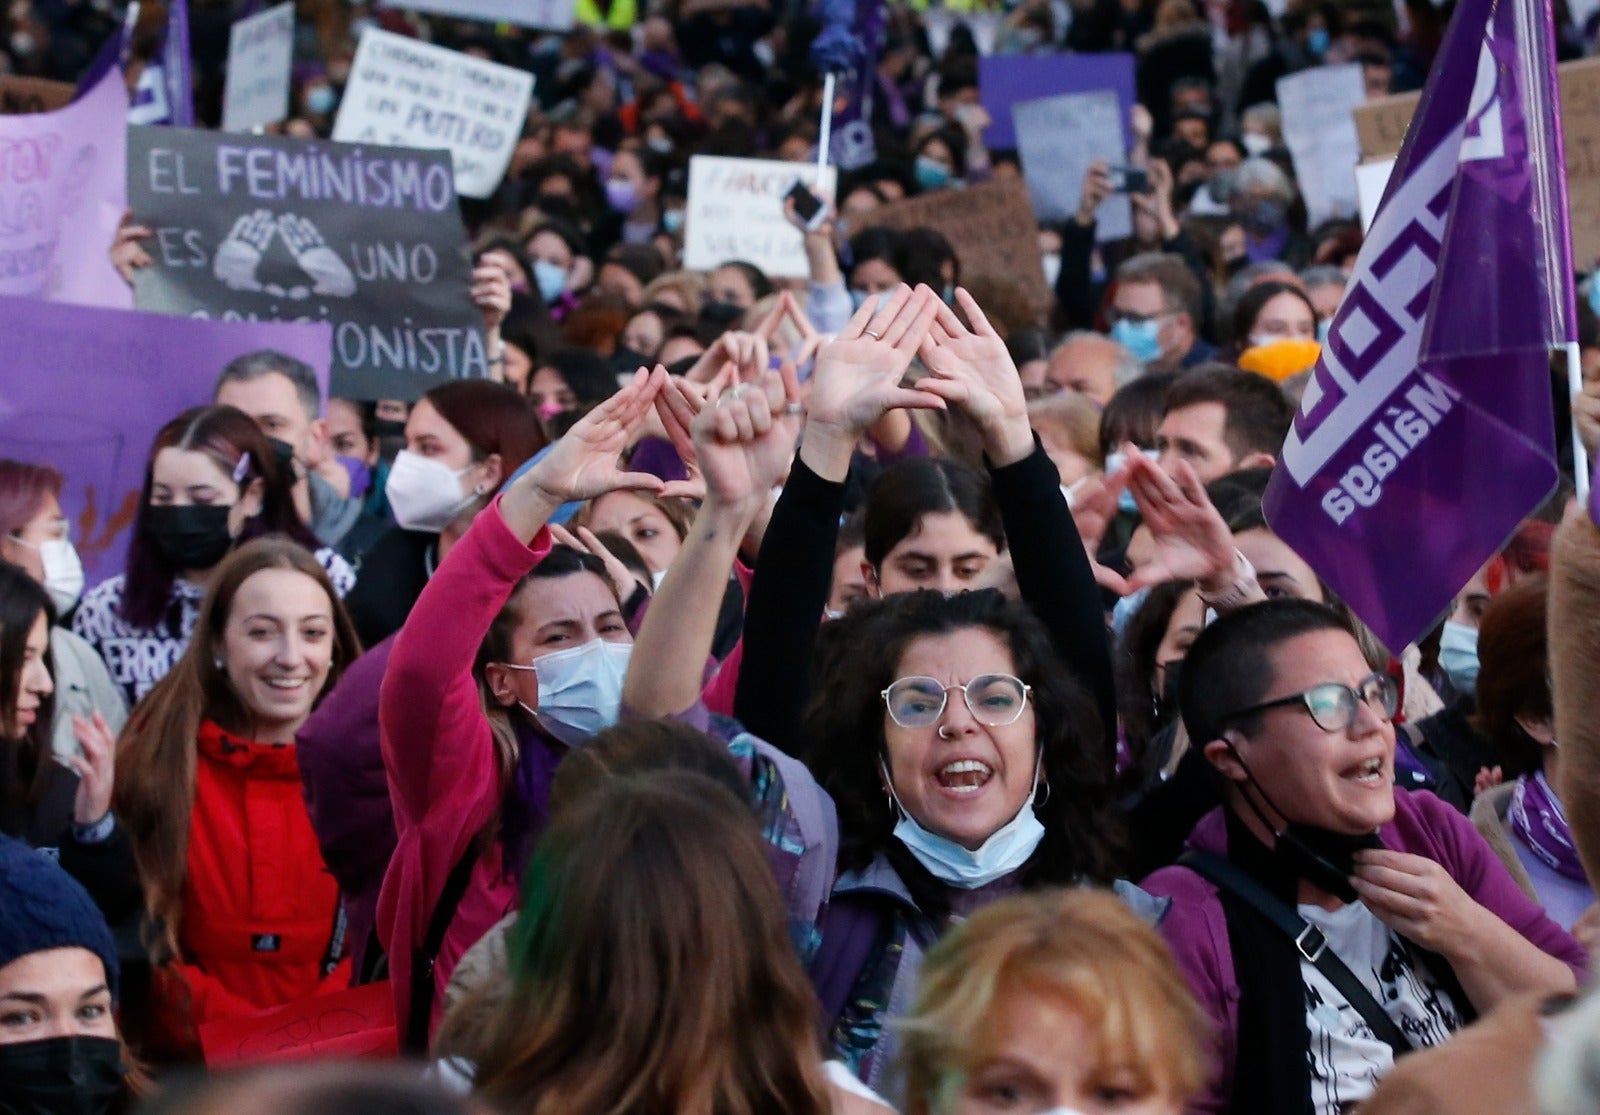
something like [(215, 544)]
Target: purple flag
[(63, 188), (1425, 434), (87, 389), (165, 91)]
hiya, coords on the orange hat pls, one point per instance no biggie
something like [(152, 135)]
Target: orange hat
[(1280, 359)]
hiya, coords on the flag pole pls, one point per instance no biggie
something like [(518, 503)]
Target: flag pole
[(825, 136), (1580, 459)]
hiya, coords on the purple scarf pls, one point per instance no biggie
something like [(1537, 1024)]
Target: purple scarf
[(1538, 822)]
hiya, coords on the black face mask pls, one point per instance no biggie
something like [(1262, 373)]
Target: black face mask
[(1320, 856), (388, 427), (61, 1076), (1167, 699), (193, 537), (283, 451)]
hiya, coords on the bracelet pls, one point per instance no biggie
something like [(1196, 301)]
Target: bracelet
[(96, 833), (1243, 590)]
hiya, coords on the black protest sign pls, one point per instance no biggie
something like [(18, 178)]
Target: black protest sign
[(262, 228)]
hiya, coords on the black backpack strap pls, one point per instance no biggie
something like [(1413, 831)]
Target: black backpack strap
[(423, 959), (1308, 941)]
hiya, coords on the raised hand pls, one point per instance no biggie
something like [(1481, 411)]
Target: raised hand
[(747, 350), (745, 440), (1191, 540), (128, 255), (329, 275), (621, 577), (491, 291), (95, 768), (857, 377), (586, 462), (1096, 188), (981, 377), (239, 255)]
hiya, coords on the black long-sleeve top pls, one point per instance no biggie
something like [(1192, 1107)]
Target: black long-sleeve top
[(795, 570)]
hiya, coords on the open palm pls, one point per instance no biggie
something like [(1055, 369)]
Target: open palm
[(1191, 540), (857, 376), (977, 359), (587, 461)]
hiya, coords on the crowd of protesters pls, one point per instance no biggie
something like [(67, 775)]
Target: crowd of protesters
[(873, 690)]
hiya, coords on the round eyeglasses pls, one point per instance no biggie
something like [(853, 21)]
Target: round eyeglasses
[(994, 700), (1333, 705)]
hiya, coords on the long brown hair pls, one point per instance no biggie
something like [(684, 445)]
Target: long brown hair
[(653, 968), (156, 756)]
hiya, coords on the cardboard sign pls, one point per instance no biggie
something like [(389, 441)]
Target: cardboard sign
[(264, 228), (548, 15), (86, 390), (1006, 79), (62, 193), (1381, 126), (1321, 137), (259, 52), (354, 1023), (736, 212), (406, 93), (1058, 138), (990, 226), (20, 96)]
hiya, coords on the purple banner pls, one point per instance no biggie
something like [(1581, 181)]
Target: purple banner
[(87, 389), (63, 188), (1005, 79), (1426, 433)]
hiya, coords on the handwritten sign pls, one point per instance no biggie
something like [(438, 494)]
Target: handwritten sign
[(259, 52), (1005, 79), (61, 196), (264, 228), (1381, 126), (548, 15), (991, 227), (20, 96), (1058, 138), (354, 1023), (86, 390), (736, 212), (1321, 136), (410, 94)]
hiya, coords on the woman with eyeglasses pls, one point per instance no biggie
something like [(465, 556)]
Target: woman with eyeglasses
[(1328, 920), (949, 758)]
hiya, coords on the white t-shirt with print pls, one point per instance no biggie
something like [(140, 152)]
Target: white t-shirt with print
[(1346, 1058)]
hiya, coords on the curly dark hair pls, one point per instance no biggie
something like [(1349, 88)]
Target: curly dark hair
[(844, 732)]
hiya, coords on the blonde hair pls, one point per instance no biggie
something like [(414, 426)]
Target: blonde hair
[(688, 285), (1080, 948), (1074, 416)]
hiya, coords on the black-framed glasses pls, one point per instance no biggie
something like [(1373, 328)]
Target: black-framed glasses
[(1332, 704), (994, 700)]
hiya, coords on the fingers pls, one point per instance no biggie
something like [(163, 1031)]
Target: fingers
[(877, 324), (906, 330), (564, 537), (593, 544), (769, 324), (975, 314)]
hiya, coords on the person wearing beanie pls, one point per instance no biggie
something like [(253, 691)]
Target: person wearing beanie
[(60, 1052)]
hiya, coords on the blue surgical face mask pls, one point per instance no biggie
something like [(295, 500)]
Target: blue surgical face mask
[(858, 298), (1006, 850), (1458, 656), (672, 220), (1114, 462), (1125, 609), (1142, 338), (550, 279), (580, 690), (930, 174), (1317, 42), (320, 100), (1322, 330)]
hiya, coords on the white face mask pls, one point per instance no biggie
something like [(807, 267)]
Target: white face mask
[(580, 690), (63, 571), (424, 493), (1255, 145), (1052, 269), (1006, 849)]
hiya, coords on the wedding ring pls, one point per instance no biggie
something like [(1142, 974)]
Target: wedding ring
[(794, 408), (874, 336)]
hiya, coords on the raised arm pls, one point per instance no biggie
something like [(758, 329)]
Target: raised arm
[(743, 440), (856, 382)]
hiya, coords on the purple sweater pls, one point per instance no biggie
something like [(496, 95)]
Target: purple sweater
[(1197, 930)]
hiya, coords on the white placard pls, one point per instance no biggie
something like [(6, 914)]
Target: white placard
[(260, 50), (404, 93), (549, 15), (1371, 180), (985, 28), (1057, 139), (1320, 134), (736, 212)]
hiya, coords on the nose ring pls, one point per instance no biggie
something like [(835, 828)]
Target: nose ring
[(943, 734)]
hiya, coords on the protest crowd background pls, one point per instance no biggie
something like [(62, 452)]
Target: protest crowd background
[(727, 557)]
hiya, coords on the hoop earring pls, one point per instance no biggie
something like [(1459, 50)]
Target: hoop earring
[(1042, 801)]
